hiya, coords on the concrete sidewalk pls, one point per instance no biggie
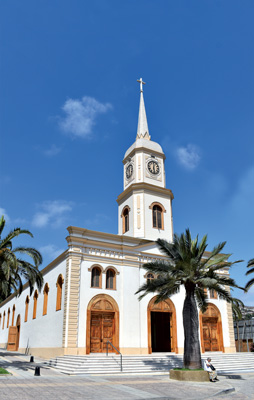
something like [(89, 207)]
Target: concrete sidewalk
[(22, 384)]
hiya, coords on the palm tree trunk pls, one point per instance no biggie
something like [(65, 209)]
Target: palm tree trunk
[(192, 354)]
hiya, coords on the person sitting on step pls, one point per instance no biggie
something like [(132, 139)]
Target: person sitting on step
[(210, 368)]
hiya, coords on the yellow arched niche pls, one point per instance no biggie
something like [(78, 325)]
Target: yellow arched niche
[(211, 329), (168, 307)]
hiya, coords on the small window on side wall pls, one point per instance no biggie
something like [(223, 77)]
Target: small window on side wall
[(8, 317), (13, 314), (35, 304), (96, 277), (3, 320), (110, 279), (26, 309), (59, 285), (45, 299)]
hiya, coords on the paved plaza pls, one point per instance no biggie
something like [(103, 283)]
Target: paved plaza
[(23, 385)]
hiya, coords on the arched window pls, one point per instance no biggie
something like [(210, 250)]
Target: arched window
[(13, 314), (35, 303), (125, 218), (45, 299), (8, 317), (3, 320), (149, 277), (26, 310), (59, 285), (96, 277), (158, 215), (213, 294), (110, 279)]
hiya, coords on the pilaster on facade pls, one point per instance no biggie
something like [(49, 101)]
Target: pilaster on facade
[(71, 300)]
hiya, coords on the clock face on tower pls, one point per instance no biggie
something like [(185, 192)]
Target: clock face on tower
[(153, 167), (129, 171)]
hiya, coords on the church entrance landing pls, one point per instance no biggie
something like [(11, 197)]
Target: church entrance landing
[(102, 324), (162, 335)]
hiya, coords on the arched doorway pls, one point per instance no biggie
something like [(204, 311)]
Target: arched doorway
[(13, 336), (102, 324), (162, 332), (211, 329)]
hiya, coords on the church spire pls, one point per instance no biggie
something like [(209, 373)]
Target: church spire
[(142, 132)]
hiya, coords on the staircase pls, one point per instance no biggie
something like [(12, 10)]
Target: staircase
[(154, 363)]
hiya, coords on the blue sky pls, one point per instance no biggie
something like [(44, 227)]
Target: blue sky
[(69, 106)]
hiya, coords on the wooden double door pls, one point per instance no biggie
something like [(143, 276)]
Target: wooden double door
[(102, 330), (210, 334)]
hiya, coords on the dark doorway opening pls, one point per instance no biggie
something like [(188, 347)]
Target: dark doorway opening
[(160, 329)]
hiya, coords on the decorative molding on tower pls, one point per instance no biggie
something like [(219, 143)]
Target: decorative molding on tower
[(142, 132)]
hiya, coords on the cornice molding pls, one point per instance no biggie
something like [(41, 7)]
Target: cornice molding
[(143, 150), (144, 187)]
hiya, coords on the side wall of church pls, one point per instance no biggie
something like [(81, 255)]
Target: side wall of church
[(41, 335)]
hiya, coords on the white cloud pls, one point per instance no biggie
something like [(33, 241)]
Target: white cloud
[(188, 156), (53, 213), (50, 251), (80, 115), (52, 151)]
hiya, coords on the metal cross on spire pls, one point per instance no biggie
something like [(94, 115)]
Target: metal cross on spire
[(141, 84)]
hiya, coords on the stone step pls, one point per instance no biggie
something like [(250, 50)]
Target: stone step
[(98, 364)]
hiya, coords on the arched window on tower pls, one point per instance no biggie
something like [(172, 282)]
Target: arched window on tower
[(45, 299), (126, 218), (8, 317), (96, 277), (110, 279), (59, 285), (35, 304), (157, 215), (26, 310), (13, 314)]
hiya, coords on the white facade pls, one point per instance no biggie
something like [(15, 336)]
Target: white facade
[(90, 312)]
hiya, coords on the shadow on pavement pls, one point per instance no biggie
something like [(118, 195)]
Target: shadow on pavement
[(232, 376)]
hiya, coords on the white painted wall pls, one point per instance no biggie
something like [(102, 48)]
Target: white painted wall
[(44, 331)]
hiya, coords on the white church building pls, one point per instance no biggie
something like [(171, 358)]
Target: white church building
[(89, 297)]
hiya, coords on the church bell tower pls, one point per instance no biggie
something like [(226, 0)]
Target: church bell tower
[(145, 205)]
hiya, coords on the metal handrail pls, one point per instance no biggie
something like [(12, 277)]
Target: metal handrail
[(121, 357)]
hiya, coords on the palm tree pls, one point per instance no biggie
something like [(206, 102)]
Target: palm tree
[(188, 265), (251, 281), (13, 269), (237, 307)]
